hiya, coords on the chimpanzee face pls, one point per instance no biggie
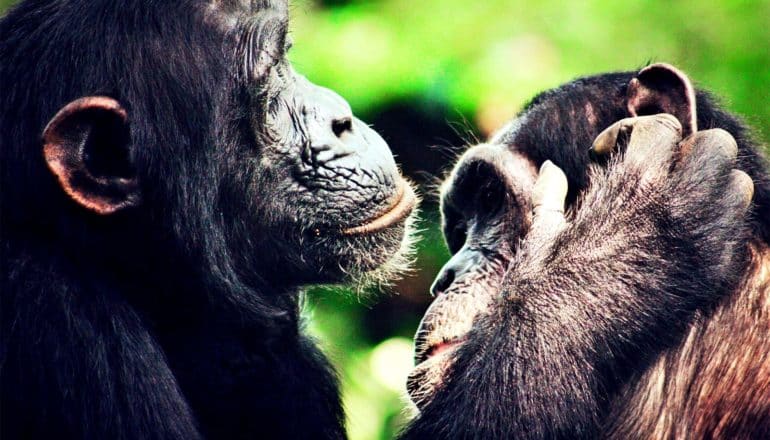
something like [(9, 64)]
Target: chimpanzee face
[(336, 188), (336, 200), (299, 189), (485, 207)]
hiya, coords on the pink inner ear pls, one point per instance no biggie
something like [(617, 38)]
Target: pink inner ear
[(63, 153), (662, 88), (74, 179)]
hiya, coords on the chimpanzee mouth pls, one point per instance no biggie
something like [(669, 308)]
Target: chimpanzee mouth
[(432, 362), (423, 354), (403, 205)]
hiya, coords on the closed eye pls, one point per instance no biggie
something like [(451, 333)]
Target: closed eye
[(455, 230), (458, 236)]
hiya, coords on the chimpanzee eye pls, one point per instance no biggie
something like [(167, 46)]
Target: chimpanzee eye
[(454, 227), (258, 47), (457, 236)]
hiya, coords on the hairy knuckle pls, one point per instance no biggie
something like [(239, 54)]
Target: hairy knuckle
[(723, 140), (669, 121)]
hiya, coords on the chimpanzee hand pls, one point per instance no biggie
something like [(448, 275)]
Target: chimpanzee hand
[(674, 206)]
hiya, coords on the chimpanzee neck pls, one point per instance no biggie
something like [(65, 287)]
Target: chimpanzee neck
[(169, 293)]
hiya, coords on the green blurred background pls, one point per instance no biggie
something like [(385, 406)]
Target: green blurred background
[(433, 76)]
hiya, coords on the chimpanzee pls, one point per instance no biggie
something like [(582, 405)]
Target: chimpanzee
[(168, 185), (643, 312)]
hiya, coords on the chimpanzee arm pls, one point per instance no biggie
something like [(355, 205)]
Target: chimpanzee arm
[(656, 237)]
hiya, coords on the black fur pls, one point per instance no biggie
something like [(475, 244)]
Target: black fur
[(579, 314), (180, 317)]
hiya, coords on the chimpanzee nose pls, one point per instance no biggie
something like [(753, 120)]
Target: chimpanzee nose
[(457, 268), (336, 109), (342, 125), (443, 281)]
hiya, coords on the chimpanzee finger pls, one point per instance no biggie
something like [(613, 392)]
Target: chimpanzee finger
[(742, 186), (708, 151), (607, 141), (548, 198), (651, 139)]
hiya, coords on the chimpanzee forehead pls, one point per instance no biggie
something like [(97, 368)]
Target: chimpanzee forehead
[(232, 14), (560, 124), (249, 5)]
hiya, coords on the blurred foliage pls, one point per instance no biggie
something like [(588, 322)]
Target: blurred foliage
[(433, 72), (487, 57)]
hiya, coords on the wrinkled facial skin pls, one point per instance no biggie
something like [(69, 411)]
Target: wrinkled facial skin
[(325, 195), (328, 155)]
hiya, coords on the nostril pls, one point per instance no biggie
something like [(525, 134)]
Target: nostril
[(340, 126), (442, 283)]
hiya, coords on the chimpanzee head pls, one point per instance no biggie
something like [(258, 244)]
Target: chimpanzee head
[(177, 133), (486, 200)]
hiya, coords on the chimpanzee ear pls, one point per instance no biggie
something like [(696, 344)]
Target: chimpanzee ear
[(662, 88), (86, 146)]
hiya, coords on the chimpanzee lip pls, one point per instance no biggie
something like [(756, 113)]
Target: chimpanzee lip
[(437, 349), (431, 364), (403, 204)]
